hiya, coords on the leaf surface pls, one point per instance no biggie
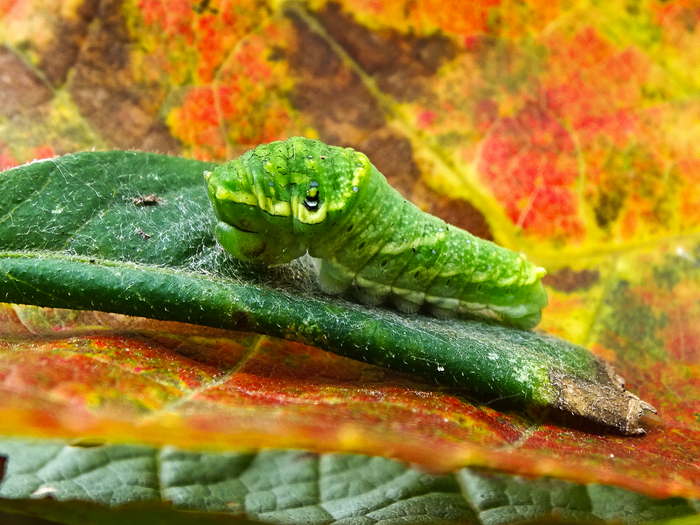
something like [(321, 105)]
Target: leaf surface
[(566, 130), (297, 486), (77, 238)]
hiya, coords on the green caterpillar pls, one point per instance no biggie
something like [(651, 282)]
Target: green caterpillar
[(282, 199)]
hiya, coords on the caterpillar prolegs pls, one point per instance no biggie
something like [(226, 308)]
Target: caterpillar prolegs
[(280, 200)]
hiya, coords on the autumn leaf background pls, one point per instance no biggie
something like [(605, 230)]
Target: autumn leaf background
[(566, 130)]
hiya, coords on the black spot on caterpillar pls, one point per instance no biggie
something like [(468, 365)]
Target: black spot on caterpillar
[(282, 199)]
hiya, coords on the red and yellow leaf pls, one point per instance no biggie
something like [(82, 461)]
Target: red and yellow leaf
[(568, 130)]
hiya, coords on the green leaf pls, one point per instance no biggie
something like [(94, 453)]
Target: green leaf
[(500, 499), (275, 486), (269, 486), (77, 233)]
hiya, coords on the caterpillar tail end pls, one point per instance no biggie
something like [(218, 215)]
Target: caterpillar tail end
[(528, 313), (526, 322)]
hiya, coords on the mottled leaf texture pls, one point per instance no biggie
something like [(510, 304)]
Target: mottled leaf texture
[(79, 240), (276, 486), (77, 235), (564, 130)]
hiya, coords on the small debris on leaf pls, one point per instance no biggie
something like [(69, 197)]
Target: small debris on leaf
[(146, 200), (142, 234)]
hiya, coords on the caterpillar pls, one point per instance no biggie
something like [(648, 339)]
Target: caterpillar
[(280, 200)]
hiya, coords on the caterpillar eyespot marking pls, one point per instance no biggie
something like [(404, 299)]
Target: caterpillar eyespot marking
[(280, 200), (312, 197)]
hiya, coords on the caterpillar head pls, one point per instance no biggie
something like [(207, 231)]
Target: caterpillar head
[(277, 200)]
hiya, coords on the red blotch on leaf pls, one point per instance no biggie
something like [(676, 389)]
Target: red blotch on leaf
[(426, 119), (452, 16), (212, 32), (174, 17), (6, 6), (7, 161), (529, 161), (44, 152), (198, 121), (242, 107)]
